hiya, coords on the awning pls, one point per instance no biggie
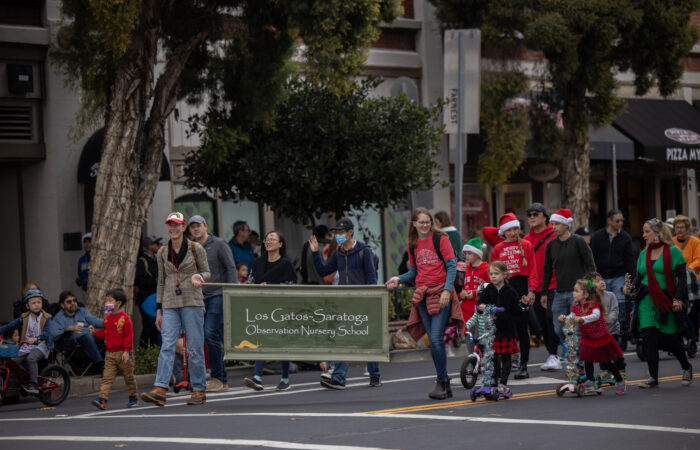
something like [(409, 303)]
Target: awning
[(92, 154), (662, 130)]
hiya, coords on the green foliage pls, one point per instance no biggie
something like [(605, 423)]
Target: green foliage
[(325, 153), (146, 359), (505, 126)]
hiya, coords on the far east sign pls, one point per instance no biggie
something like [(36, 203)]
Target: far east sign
[(306, 323), (685, 137)]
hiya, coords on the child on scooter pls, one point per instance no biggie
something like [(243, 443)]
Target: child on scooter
[(597, 344), (610, 303), (501, 294)]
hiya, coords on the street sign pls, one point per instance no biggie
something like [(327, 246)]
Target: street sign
[(471, 55), (306, 323)]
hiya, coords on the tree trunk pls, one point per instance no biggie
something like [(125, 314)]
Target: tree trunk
[(127, 179), (576, 167)]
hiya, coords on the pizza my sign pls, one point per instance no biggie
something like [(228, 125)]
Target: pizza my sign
[(686, 137)]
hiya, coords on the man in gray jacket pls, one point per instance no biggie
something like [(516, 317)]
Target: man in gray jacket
[(571, 258), (223, 270)]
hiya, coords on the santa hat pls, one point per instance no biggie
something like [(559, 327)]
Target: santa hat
[(562, 216), (474, 245), (506, 222)]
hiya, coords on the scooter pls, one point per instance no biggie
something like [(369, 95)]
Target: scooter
[(486, 324), (575, 385)]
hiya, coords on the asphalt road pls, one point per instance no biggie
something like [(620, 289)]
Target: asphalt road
[(397, 415)]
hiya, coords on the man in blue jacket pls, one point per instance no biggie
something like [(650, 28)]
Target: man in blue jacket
[(354, 262)]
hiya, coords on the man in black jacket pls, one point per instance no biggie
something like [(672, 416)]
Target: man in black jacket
[(614, 257), (146, 281)]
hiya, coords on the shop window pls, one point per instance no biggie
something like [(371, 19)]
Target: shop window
[(199, 205)]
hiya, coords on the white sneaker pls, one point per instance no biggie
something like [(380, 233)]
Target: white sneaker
[(552, 363)]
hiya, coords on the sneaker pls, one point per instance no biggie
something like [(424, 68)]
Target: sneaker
[(620, 388), (133, 402), (588, 387), (100, 403), (648, 384), (282, 386), (374, 382), (30, 388), (687, 377), (552, 363), (332, 384), (253, 383), (216, 385), (327, 375)]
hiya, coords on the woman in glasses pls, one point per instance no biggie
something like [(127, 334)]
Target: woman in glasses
[(433, 266), (690, 246), (271, 267), (661, 294)]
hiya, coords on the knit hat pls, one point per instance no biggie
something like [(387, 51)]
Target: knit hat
[(474, 245), (562, 216), (506, 222)]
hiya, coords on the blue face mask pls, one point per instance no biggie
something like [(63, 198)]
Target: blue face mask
[(340, 239)]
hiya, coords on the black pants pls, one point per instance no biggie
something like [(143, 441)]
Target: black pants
[(653, 340), (544, 316), (501, 368), (519, 283), (694, 315), (605, 366)]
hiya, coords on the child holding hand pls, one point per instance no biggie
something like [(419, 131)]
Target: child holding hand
[(117, 331), (597, 344)]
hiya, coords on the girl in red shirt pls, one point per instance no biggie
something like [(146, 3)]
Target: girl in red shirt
[(519, 257)]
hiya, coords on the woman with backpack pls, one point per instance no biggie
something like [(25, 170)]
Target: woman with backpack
[(433, 266)]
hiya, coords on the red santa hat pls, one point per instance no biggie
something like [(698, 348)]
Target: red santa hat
[(506, 222), (562, 216)]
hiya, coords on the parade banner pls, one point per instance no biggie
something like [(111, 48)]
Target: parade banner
[(306, 322)]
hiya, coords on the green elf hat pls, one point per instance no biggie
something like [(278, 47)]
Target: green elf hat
[(474, 245)]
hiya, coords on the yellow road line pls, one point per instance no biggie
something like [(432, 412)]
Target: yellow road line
[(468, 402)]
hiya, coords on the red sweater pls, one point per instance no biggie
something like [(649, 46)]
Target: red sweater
[(534, 239), (509, 253), (473, 278), (117, 331)]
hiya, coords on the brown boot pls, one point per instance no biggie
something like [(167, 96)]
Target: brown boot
[(198, 398), (156, 396)]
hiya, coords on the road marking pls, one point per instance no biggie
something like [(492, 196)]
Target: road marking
[(524, 395), (189, 441)]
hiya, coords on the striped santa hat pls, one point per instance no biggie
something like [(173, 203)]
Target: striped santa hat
[(562, 216), (506, 222)]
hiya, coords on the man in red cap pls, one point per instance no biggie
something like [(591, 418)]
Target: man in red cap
[(571, 258)]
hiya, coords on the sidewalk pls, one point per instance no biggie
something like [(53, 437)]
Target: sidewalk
[(89, 386)]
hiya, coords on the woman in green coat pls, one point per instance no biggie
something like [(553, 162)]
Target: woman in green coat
[(660, 314)]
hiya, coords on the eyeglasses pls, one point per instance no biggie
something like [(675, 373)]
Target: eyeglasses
[(423, 222), (533, 214), (679, 227), (70, 300), (270, 240)]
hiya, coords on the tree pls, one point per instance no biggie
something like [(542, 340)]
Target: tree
[(323, 153), (109, 50), (584, 43)]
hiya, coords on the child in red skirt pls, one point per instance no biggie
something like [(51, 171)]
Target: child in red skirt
[(502, 294), (597, 344)]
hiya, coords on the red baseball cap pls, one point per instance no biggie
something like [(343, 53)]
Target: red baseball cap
[(175, 217)]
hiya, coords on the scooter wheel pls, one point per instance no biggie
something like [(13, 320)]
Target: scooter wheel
[(580, 390), (472, 395), (561, 390), (494, 394)]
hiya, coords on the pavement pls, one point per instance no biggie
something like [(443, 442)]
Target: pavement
[(397, 415)]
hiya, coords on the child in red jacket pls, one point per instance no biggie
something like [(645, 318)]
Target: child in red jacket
[(118, 333), (476, 273)]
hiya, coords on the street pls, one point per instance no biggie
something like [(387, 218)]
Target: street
[(397, 415)]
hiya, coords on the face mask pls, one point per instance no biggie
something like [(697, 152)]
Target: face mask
[(340, 239), (109, 307)]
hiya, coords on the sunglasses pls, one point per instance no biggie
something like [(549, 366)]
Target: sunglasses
[(533, 214), (70, 300)]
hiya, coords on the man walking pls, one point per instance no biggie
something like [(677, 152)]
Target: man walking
[(614, 257), (570, 257), (223, 270), (540, 234)]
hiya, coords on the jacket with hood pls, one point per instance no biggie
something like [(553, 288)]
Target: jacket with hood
[(353, 268)]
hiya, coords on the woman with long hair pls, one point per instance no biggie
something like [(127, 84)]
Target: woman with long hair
[(433, 266), (271, 267), (661, 296)]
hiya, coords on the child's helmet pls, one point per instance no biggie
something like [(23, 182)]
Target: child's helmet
[(30, 294)]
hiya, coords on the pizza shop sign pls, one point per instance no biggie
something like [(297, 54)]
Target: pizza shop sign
[(686, 137)]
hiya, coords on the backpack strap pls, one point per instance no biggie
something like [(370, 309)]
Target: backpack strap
[(436, 246), (542, 241), (194, 253)]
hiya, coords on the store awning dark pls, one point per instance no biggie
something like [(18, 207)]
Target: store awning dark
[(662, 130), (92, 154)]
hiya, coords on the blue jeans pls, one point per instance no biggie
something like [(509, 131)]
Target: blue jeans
[(260, 365), (86, 340), (563, 301), (214, 336), (435, 328), (341, 370), (615, 286), (191, 319)]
